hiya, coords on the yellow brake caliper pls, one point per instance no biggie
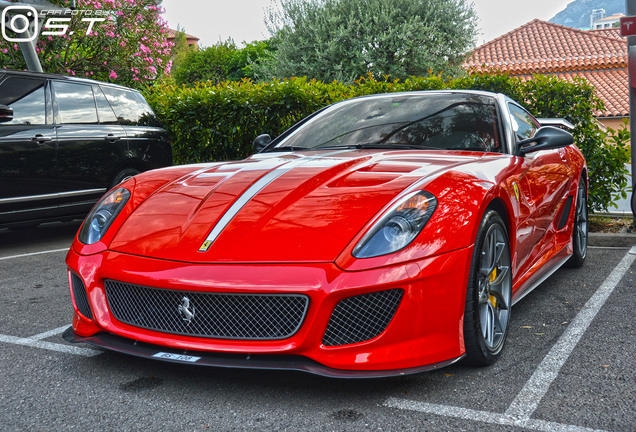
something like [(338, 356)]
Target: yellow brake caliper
[(492, 298)]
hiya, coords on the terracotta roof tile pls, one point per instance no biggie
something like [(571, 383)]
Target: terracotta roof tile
[(611, 32), (609, 84), (540, 47), (173, 33), (543, 47)]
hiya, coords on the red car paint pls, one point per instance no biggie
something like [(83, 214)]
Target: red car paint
[(297, 234)]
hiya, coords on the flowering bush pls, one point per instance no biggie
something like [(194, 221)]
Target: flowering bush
[(129, 47)]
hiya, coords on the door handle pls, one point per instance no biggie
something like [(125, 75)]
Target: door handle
[(111, 138), (40, 139)]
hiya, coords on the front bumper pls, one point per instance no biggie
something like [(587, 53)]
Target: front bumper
[(426, 331), (236, 361)]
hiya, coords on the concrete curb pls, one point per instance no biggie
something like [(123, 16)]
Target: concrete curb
[(626, 240)]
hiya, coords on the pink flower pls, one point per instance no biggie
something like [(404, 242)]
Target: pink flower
[(112, 75)]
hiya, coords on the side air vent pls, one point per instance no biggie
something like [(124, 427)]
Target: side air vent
[(362, 317), (81, 298), (565, 213)]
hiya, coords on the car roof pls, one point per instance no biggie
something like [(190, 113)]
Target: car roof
[(59, 77), (445, 91), (454, 92)]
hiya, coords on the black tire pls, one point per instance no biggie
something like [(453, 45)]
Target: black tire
[(579, 228), (122, 175), (489, 293)]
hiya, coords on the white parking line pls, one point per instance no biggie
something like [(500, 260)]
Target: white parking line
[(531, 394), (526, 402), (33, 253), (483, 416), (49, 333), (35, 343)]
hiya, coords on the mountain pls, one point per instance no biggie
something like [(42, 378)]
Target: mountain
[(577, 14)]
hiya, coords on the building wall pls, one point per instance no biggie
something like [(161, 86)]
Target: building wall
[(613, 122)]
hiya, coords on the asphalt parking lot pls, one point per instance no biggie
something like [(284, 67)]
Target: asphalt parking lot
[(568, 366)]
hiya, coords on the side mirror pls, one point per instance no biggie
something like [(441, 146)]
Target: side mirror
[(6, 113), (546, 138), (260, 142)]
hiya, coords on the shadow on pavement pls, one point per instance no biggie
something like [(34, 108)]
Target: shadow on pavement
[(54, 231)]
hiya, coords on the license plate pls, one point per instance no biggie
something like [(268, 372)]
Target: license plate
[(177, 357)]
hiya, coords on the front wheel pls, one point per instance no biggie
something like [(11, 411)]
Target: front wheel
[(489, 293)]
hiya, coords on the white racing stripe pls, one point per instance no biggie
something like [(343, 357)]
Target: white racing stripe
[(240, 202), (255, 189)]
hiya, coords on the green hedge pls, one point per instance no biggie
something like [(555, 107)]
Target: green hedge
[(211, 122)]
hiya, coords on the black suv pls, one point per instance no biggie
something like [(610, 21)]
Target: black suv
[(65, 141)]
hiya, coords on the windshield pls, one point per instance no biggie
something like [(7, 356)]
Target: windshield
[(433, 120)]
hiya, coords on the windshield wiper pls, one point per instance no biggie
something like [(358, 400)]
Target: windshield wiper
[(380, 146), (283, 149)]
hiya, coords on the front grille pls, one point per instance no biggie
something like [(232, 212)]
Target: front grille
[(212, 315), (362, 317), (81, 299)]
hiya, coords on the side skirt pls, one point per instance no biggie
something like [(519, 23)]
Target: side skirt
[(539, 278)]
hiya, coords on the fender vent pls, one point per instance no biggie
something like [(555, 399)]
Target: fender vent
[(362, 317)]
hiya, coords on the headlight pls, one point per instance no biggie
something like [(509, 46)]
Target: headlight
[(103, 214), (398, 227)]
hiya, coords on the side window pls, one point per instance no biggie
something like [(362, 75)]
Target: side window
[(523, 124), (130, 107), (26, 97), (75, 103), (104, 110)]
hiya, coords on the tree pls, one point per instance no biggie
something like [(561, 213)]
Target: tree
[(181, 48), (221, 62), (128, 47), (345, 39)]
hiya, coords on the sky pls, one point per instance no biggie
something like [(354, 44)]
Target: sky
[(244, 20)]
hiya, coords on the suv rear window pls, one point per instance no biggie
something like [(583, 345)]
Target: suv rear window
[(130, 107)]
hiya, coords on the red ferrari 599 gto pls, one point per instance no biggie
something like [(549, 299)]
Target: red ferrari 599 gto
[(382, 235)]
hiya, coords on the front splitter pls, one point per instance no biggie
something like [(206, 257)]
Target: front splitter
[(239, 361)]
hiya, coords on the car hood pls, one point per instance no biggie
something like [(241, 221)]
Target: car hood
[(292, 207)]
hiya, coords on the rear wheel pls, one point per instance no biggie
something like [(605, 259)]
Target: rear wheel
[(489, 293), (579, 232)]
